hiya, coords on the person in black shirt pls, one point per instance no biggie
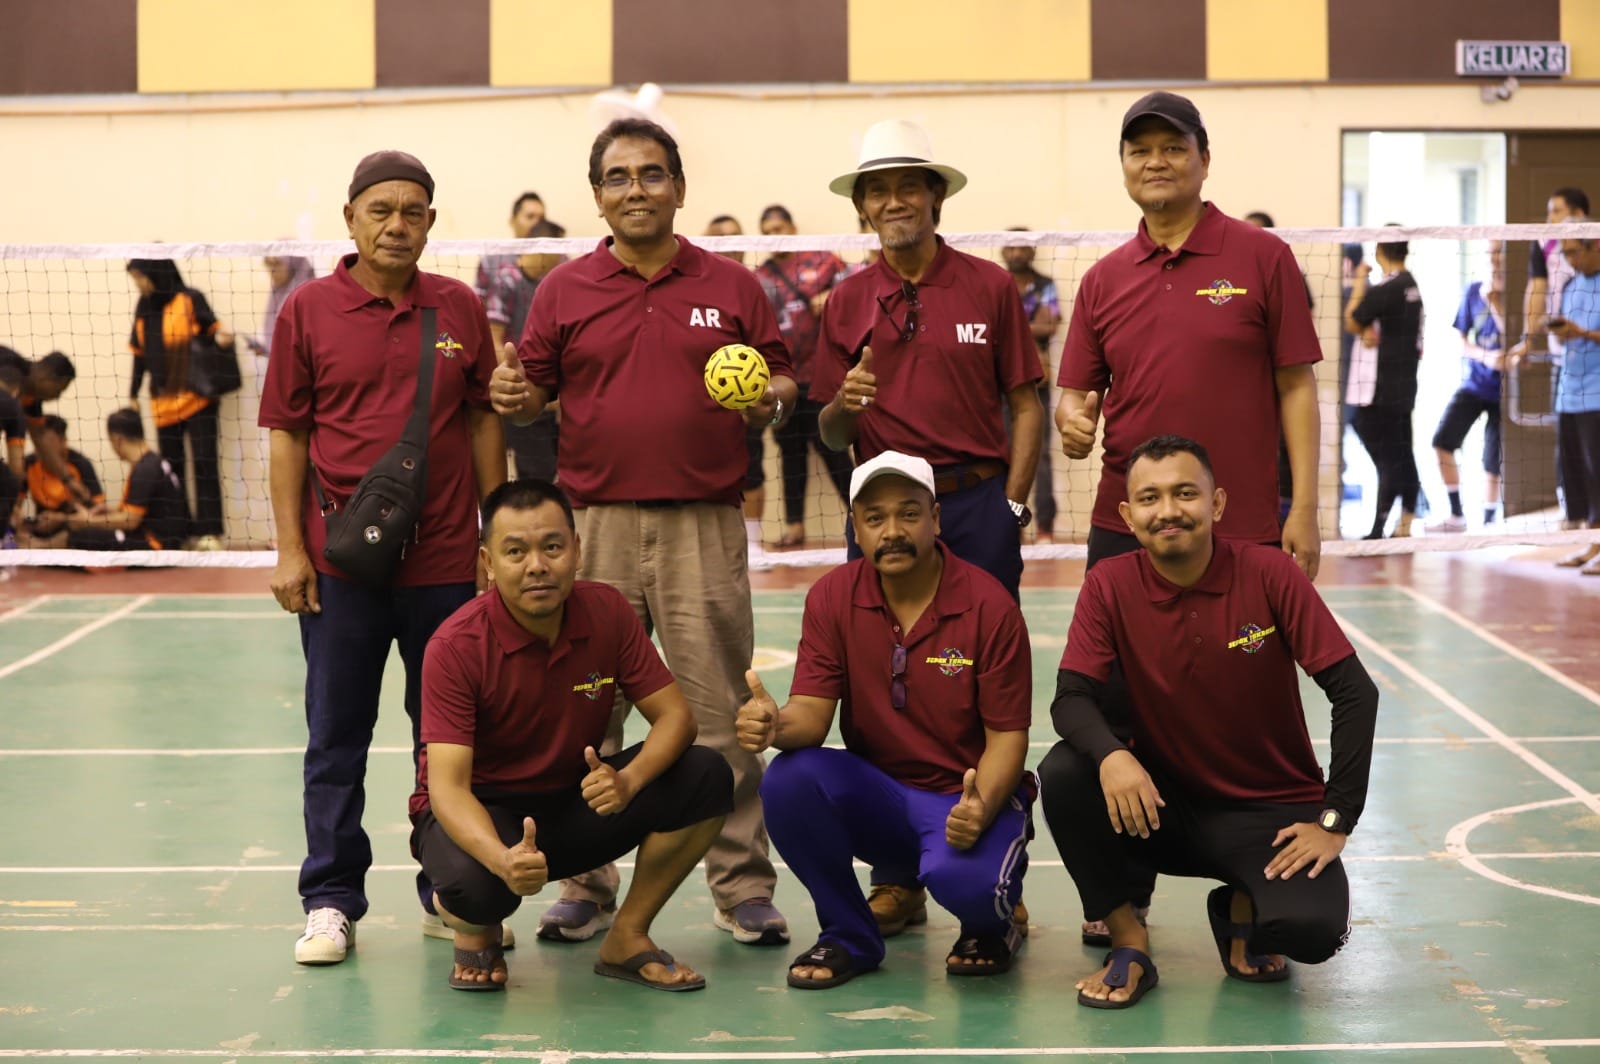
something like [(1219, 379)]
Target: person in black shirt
[(53, 498), (34, 383), (154, 514), (1388, 316), (13, 427)]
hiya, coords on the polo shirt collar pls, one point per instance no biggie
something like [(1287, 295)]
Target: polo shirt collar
[(420, 293), (689, 261), (939, 274), (512, 638), (1204, 239), (952, 597), (1217, 579)]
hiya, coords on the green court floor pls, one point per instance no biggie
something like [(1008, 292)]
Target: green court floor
[(149, 754)]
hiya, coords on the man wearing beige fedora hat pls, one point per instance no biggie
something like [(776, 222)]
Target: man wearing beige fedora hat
[(924, 352)]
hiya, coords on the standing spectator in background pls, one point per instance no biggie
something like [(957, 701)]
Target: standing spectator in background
[(527, 211), (1481, 322), (166, 321), (621, 336), (511, 290), (1388, 318), (1577, 325), (755, 477), (341, 387), (285, 273), (1043, 307), (798, 283), (1549, 272)]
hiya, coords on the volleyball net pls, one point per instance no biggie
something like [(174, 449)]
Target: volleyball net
[(80, 299)]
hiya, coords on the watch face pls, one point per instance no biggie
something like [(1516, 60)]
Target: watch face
[(1331, 820)]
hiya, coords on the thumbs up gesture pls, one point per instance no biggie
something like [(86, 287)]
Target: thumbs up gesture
[(508, 386), (860, 386), (757, 723), (1078, 428), (605, 789), (966, 821), (525, 871)]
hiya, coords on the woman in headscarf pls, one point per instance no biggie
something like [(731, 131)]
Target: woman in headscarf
[(287, 272), (167, 319)]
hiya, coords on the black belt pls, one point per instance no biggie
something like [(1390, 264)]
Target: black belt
[(960, 478), (664, 504)]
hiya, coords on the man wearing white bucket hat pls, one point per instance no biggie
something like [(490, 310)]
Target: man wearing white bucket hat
[(915, 354)]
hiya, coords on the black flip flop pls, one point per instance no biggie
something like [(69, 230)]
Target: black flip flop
[(488, 958), (1119, 959), (827, 955), (1224, 931), (631, 971), (999, 949)]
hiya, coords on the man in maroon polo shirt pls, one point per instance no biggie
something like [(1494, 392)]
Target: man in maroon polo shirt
[(340, 387), (930, 659), (915, 354), (1218, 780), (516, 697), (621, 337), (917, 351), (1199, 325)]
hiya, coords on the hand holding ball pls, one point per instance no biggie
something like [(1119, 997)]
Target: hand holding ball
[(737, 376)]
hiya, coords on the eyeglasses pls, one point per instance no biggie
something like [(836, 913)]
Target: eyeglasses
[(650, 180), (897, 678), (908, 292)]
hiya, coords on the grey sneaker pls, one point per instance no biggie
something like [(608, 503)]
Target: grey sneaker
[(434, 927), (755, 922), (575, 920), (328, 938)]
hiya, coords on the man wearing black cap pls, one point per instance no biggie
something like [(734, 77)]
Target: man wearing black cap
[(1197, 326), (341, 385)]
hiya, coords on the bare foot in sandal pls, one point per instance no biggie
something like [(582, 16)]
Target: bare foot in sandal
[(476, 941), (622, 946)]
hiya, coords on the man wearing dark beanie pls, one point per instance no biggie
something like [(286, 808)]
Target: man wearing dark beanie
[(341, 385)]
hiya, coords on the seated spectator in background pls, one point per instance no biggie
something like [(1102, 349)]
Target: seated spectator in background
[(517, 689), (797, 284), (1219, 779), (52, 499), (1481, 322), (929, 656), (153, 514), (37, 382), (511, 290), (167, 320)]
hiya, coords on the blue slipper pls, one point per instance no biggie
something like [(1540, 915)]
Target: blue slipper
[(1224, 931), (1119, 959)]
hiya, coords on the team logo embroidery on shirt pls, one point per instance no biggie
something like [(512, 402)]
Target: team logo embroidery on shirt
[(1221, 291), (951, 661), (447, 344), (592, 685), (975, 332), (1252, 637)]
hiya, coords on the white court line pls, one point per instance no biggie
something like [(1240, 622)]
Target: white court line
[(73, 636), (26, 607), (281, 869), (171, 615), (1455, 842), (561, 1056), (1460, 709), (1504, 647)]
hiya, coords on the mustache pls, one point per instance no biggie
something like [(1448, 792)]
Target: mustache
[(894, 548), (1162, 526)]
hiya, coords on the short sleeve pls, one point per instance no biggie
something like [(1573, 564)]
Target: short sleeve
[(143, 485), (1005, 684), (1374, 304), (1083, 357), (1289, 324), (819, 670), (1538, 265), (1467, 311), (1091, 641), (839, 342), (449, 696), (1016, 355), (761, 326), (484, 358), (288, 395), (1308, 625), (540, 346)]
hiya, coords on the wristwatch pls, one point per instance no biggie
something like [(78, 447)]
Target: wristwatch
[(1332, 820), (777, 411), (1020, 510)]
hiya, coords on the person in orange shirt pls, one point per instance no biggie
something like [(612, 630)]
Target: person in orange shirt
[(53, 498), (168, 318)]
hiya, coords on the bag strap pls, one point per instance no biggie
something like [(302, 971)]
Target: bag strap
[(416, 430)]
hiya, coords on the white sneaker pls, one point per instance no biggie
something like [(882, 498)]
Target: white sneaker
[(1448, 524), (434, 927), (329, 936)]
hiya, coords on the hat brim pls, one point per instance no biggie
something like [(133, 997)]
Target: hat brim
[(845, 184), (1185, 128)]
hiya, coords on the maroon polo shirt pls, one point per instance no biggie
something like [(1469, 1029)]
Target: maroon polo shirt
[(969, 666), (527, 707), (1211, 668), (344, 368), (1187, 343), (627, 359), (939, 395)]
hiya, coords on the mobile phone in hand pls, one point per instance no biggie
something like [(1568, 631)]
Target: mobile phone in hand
[(1557, 322)]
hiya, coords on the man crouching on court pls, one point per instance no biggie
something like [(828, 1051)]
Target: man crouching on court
[(930, 659), (517, 693)]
